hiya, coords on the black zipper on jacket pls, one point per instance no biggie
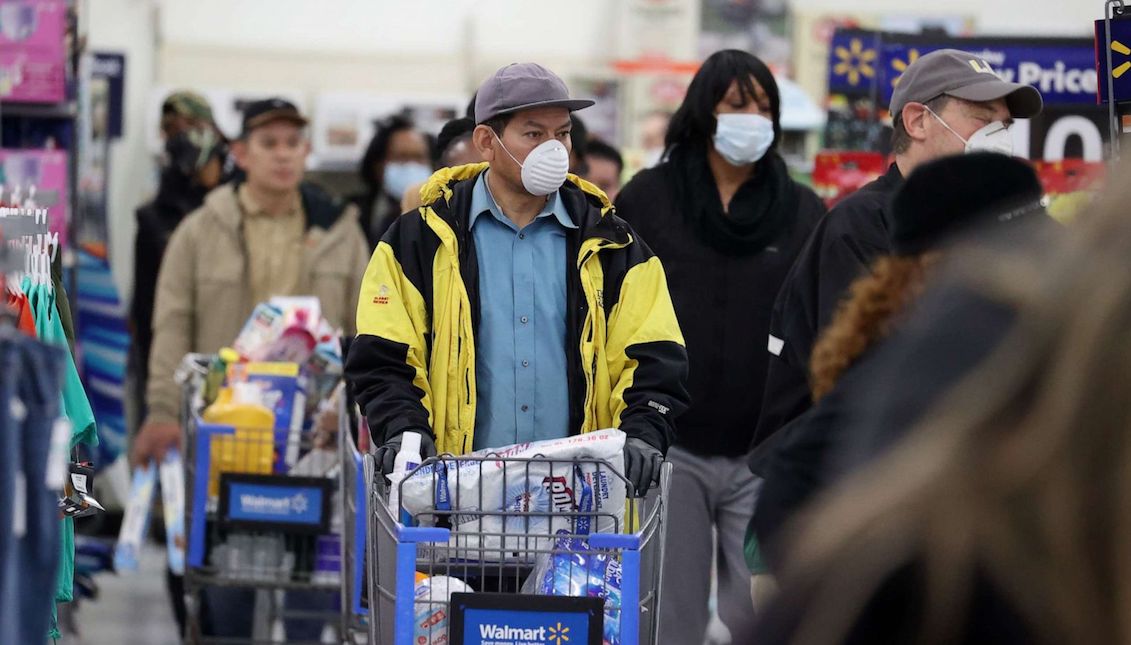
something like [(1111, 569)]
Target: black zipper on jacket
[(457, 215), (576, 310)]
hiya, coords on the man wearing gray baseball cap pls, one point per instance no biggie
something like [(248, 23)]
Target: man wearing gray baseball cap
[(514, 305), (947, 102)]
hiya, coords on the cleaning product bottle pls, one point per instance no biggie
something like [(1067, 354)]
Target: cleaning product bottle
[(408, 457), (251, 449), (217, 369)]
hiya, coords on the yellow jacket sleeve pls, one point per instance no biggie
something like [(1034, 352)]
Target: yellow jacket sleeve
[(387, 366), (647, 357)]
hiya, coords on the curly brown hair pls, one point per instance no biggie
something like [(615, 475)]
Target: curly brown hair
[(866, 316)]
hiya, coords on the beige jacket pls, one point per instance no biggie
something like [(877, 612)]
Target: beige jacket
[(203, 296)]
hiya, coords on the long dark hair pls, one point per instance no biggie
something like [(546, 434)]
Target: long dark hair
[(694, 122), (378, 151)]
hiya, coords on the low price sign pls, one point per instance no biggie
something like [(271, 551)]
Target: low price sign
[(868, 65), (866, 62)]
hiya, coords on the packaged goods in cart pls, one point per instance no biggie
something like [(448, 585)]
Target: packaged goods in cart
[(487, 495), (251, 449), (283, 391), (292, 330), (579, 572), (266, 323), (431, 603), (324, 368), (408, 457), (218, 372), (574, 570)]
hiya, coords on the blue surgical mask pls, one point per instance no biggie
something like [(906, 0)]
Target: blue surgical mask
[(743, 139), (400, 176)]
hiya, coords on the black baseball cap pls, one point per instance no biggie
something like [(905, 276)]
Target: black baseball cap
[(961, 75), (523, 86), (260, 113)]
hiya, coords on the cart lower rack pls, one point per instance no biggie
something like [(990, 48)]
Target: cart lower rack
[(264, 545), (486, 538)]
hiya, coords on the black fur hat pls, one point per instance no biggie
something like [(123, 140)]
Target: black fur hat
[(949, 195)]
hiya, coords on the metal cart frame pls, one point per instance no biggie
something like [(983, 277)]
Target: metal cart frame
[(352, 485), (396, 552), (199, 573)]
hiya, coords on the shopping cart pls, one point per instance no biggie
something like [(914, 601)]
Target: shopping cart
[(258, 518), (355, 613), (522, 551)]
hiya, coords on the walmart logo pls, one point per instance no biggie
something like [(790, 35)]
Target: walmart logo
[(556, 635), (900, 65), (559, 634), (1122, 49), (855, 62)]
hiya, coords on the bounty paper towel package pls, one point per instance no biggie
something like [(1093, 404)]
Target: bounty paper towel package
[(501, 510)]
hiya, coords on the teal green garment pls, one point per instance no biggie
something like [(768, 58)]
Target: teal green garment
[(752, 552), (49, 328), (76, 407)]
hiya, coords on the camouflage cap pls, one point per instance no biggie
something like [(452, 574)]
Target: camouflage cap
[(188, 104)]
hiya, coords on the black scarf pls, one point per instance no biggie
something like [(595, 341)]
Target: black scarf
[(759, 213)]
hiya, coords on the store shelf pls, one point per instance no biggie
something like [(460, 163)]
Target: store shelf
[(67, 110)]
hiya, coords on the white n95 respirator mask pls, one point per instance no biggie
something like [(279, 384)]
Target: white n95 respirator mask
[(993, 137), (545, 168)]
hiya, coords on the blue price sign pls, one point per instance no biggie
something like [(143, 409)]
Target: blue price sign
[(510, 619), (290, 504), (872, 63), (1120, 50)]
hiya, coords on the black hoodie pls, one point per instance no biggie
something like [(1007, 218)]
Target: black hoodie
[(177, 196)]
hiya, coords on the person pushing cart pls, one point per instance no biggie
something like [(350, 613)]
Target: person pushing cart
[(514, 305)]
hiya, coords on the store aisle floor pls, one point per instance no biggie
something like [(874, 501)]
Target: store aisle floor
[(132, 609)]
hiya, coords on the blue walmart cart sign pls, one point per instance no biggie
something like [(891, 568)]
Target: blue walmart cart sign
[(865, 62), (509, 619), (296, 504)]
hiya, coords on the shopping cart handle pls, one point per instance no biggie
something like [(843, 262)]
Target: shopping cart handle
[(625, 541), (418, 534)]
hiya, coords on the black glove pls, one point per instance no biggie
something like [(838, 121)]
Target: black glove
[(641, 464), (386, 455)]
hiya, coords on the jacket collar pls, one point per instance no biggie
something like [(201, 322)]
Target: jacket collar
[(448, 195), (483, 202), (321, 210)]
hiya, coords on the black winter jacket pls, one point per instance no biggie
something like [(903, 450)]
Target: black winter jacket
[(840, 249), (723, 303)]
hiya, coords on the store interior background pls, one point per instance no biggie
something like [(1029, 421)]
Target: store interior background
[(441, 49), (325, 54)]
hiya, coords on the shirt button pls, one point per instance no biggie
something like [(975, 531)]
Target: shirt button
[(525, 408), (526, 363), (524, 320), (522, 236)]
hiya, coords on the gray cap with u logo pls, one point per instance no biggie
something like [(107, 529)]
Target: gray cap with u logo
[(961, 75)]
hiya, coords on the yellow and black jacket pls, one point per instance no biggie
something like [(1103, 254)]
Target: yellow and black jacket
[(412, 365)]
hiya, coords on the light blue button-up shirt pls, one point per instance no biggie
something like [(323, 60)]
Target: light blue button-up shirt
[(520, 367)]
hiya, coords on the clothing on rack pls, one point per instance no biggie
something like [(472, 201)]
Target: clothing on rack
[(33, 296), (30, 382)]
